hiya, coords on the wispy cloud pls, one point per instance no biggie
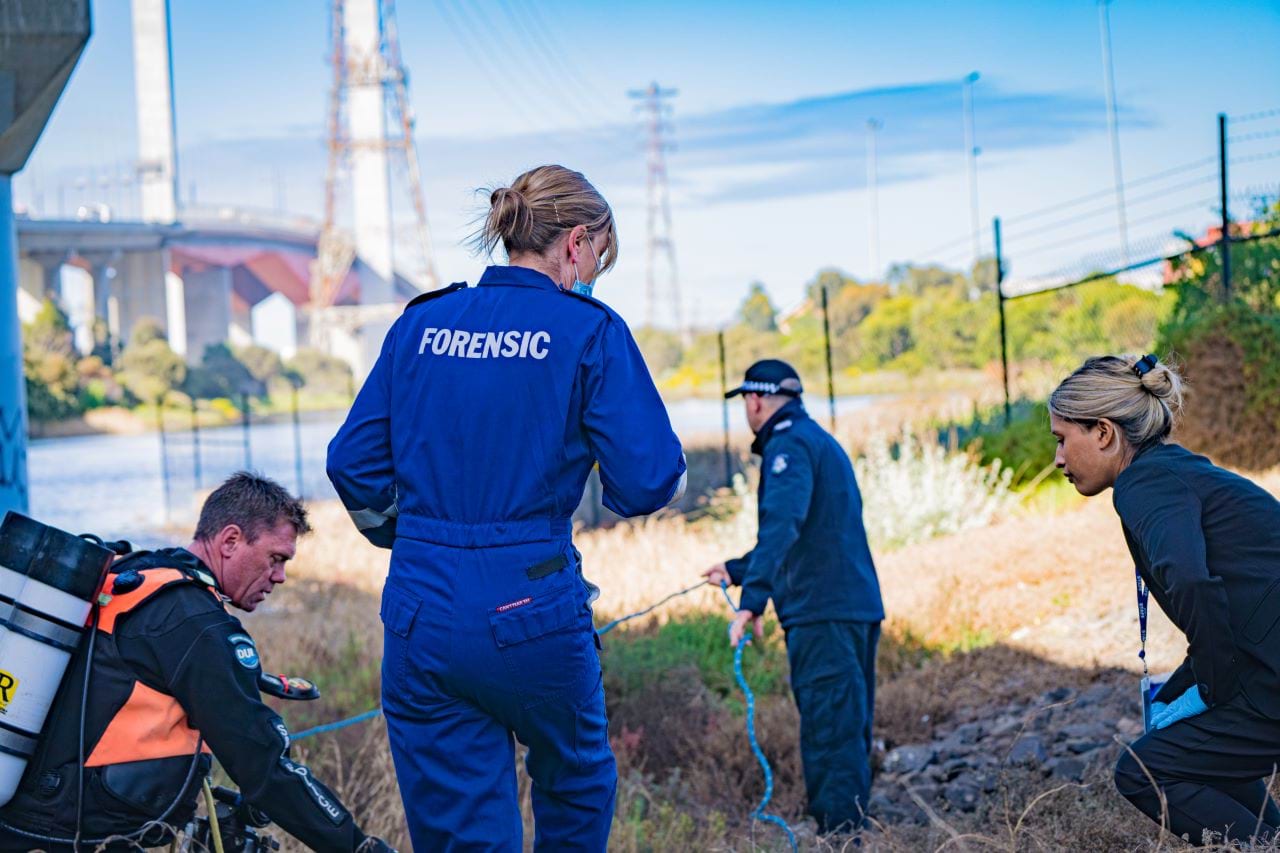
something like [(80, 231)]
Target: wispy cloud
[(747, 153)]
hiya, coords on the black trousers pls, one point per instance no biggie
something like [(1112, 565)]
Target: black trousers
[(833, 677), (1213, 770)]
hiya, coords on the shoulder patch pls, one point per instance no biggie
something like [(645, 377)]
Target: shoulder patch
[(435, 294), (782, 425), (779, 463), (245, 651)]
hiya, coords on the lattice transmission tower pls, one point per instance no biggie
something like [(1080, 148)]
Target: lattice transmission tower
[(370, 136), (656, 108)]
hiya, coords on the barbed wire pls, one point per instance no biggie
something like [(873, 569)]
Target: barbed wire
[(1254, 116)]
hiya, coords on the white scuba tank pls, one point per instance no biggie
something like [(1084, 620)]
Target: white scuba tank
[(42, 629)]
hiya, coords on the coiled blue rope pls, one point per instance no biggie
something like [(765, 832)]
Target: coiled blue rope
[(758, 813)]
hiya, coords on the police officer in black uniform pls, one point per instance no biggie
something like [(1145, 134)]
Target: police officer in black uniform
[(173, 677), (812, 559)]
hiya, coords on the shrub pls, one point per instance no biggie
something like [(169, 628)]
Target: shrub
[(1023, 447), (913, 490), (149, 368), (321, 373)]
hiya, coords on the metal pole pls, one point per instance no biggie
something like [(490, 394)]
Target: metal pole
[(1226, 219), (873, 219), (1004, 338), (195, 440), (164, 458), (1113, 127), (244, 419), (971, 165), (724, 412), (13, 387), (297, 442), (826, 344)]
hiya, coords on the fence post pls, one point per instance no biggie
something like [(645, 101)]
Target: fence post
[(195, 441), (724, 412), (1226, 220), (297, 442), (244, 420), (1004, 337), (826, 343), (164, 455)]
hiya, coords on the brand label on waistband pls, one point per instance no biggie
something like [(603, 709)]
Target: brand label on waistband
[(512, 605)]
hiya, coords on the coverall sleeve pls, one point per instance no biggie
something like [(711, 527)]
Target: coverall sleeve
[(1163, 516), (642, 465), (787, 478), (210, 665), (359, 463)]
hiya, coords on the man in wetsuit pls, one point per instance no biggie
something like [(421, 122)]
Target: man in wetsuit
[(173, 678)]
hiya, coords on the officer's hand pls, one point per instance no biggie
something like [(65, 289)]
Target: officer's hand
[(738, 627), (374, 844), (1187, 705), (717, 575)]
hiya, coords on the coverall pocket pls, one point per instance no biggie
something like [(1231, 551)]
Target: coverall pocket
[(547, 647), (399, 609)]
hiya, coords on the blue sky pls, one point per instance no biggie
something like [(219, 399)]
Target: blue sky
[(769, 170)]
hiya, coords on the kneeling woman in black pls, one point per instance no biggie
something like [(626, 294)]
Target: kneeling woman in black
[(1206, 542)]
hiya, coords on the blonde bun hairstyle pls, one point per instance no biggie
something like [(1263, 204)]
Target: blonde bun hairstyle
[(538, 207), (1141, 396)]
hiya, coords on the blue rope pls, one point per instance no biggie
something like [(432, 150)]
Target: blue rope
[(758, 813), (340, 724), (616, 622)]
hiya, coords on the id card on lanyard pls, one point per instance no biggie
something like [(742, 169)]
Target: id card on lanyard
[(1143, 595)]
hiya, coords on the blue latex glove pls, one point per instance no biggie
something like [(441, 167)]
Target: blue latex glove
[(1187, 705)]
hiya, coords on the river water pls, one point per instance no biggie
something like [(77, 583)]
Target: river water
[(113, 485)]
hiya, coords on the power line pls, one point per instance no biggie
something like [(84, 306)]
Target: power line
[(547, 44), (511, 50), (1057, 244), (476, 49), (1098, 211)]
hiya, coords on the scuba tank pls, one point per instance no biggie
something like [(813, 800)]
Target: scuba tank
[(56, 577)]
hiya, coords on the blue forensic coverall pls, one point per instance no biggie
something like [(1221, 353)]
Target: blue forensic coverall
[(812, 558), (466, 453)]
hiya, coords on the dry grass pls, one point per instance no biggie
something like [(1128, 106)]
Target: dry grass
[(1025, 605)]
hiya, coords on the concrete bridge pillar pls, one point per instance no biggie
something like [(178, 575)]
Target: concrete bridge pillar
[(140, 290), (207, 300)]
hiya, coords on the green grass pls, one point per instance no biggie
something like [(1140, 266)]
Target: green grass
[(636, 658)]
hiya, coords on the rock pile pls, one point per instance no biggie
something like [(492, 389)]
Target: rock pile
[(1062, 735)]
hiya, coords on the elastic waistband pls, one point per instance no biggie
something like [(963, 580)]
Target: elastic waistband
[(457, 534)]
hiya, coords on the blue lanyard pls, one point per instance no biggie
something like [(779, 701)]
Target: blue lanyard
[(1143, 593)]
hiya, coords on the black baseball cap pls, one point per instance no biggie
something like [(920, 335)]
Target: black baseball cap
[(770, 376)]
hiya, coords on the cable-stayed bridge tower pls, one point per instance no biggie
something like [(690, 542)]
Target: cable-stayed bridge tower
[(370, 134)]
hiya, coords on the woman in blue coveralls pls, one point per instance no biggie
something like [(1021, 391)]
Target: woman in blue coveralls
[(466, 453)]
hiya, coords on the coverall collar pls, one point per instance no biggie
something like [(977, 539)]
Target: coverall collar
[(793, 410), (516, 277)]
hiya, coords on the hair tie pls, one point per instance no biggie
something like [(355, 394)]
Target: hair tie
[(1145, 365)]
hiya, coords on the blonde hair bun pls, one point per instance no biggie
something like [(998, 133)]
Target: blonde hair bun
[(1141, 396)]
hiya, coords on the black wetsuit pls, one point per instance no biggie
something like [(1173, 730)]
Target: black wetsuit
[(179, 644)]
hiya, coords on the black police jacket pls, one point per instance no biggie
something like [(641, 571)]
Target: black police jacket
[(173, 672), (1207, 543), (811, 555)]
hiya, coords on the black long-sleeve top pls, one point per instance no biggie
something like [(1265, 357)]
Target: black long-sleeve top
[(1207, 543)]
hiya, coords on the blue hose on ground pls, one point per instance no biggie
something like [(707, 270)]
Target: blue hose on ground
[(758, 813)]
